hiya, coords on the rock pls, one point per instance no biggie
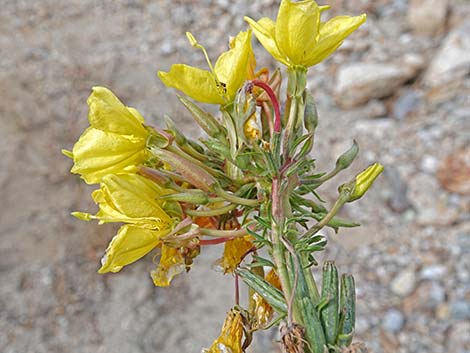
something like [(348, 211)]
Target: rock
[(458, 338), (404, 283), (397, 199), (429, 164), (430, 202), (407, 103), (427, 16), (433, 272), (393, 320), (454, 172), (357, 83), (460, 310), (452, 61)]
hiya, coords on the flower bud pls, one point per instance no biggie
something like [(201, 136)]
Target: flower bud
[(355, 189), (204, 119), (345, 160)]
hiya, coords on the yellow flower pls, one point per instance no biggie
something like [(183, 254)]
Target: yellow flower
[(234, 251), (128, 245), (220, 84), (130, 198), (172, 263), (298, 37), (230, 339), (114, 142)]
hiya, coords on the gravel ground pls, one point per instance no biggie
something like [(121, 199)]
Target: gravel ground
[(400, 86)]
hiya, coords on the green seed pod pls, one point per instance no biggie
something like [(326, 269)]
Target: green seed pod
[(329, 315), (345, 160), (347, 310), (271, 294)]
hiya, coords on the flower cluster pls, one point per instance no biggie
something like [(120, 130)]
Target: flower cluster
[(248, 184)]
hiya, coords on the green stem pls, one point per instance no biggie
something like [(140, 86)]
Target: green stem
[(328, 217)]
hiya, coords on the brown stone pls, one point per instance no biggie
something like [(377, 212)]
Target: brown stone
[(454, 172)]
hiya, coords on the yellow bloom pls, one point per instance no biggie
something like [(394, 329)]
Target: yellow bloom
[(230, 339), (298, 37), (114, 142), (234, 251), (128, 245), (220, 85), (172, 263), (130, 198)]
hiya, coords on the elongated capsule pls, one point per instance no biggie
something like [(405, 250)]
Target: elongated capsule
[(329, 315), (347, 310), (267, 291), (204, 119), (193, 173)]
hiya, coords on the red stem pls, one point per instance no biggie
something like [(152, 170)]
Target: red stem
[(272, 96)]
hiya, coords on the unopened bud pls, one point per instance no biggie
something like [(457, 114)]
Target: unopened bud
[(355, 189), (311, 114), (345, 160), (204, 119), (193, 173), (191, 196)]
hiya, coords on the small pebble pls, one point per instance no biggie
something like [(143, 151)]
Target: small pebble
[(404, 283), (393, 320)]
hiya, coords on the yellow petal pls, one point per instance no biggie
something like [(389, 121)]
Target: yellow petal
[(171, 264), (98, 153), (230, 339), (264, 31), (131, 198), (231, 67), (107, 113), (198, 84), (128, 245), (297, 27), (332, 34), (234, 251)]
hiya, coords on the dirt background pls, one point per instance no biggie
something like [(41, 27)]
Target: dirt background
[(399, 85)]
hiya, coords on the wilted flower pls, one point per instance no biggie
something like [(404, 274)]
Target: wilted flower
[(234, 251), (230, 339)]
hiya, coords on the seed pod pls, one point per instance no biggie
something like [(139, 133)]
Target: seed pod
[(347, 310), (271, 294), (329, 315)]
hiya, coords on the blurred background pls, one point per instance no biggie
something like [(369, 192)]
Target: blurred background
[(399, 85)]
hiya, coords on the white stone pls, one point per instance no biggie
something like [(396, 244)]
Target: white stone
[(452, 61), (427, 16), (359, 82), (404, 283)]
